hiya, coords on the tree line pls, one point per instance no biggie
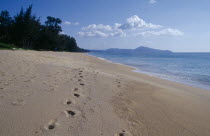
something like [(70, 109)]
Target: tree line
[(25, 30)]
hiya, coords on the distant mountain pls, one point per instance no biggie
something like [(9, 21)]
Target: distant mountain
[(141, 49)]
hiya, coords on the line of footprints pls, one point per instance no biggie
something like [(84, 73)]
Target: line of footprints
[(70, 113)]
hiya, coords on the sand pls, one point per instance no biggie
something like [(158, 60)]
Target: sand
[(72, 94)]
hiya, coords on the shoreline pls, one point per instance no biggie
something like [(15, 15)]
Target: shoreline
[(62, 93), (135, 69), (170, 87)]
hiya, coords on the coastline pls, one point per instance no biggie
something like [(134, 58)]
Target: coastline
[(38, 90), (136, 69)]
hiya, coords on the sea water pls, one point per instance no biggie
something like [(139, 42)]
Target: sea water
[(188, 68)]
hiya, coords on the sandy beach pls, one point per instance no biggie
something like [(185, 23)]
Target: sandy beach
[(73, 94)]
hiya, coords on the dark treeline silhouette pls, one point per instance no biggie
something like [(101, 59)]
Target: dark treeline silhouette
[(26, 31)]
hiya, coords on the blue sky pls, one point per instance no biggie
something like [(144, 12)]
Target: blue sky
[(177, 25)]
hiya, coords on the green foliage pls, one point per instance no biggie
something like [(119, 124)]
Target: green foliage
[(52, 25), (5, 25), (26, 31), (5, 18), (26, 28), (7, 46)]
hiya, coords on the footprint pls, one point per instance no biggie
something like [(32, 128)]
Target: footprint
[(79, 80), (82, 84), (27, 80), (68, 102), (51, 125), (75, 89), (123, 133), (70, 113), (76, 95), (81, 76)]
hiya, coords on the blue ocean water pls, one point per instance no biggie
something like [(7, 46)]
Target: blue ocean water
[(188, 68)]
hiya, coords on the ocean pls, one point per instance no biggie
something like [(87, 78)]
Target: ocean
[(188, 68)]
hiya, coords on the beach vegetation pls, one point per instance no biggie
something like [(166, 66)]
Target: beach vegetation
[(26, 31)]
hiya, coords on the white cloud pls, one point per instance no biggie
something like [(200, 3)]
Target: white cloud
[(118, 33), (134, 25), (92, 34), (97, 27), (70, 23), (164, 32), (134, 22), (152, 1), (101, 30), (67, 23), (76, 23), (101, 34), (117, 25)]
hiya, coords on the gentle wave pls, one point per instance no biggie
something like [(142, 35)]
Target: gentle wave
[(188, 68)]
